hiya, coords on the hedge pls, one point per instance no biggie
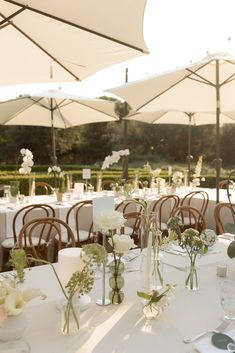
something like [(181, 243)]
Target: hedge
[(114, 174)]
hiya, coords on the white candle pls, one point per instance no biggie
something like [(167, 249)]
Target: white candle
[(221, 269), (148, 272), (69, 261), (169, 170)]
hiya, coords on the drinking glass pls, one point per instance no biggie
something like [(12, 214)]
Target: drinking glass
[(227, 297)]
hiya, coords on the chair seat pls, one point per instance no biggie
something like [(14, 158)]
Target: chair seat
[(8, 243), (188, 220), (83, 236)]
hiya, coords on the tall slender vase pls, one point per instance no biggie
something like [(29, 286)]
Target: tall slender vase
[(32, 184), (191, 276), (151, 261)]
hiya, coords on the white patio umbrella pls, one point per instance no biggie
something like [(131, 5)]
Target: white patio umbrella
[(44, 41), (182, 118), (55, 110), (207, 86)]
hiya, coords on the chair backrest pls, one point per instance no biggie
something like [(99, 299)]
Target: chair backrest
[(107, 184), (223, 215), (44, 188), (164, 207), (51, 227), (223, 184), (190, 217), (197, 199), (75, 213), (133, 220), (127, 206), (28, 213)]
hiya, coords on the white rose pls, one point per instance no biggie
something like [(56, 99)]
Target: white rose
[(49, 170), (208, 237), (109, 220), (22, 151), (122, 243)]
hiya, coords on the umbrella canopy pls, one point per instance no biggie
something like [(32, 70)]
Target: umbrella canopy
[(207, 86), (55, 40), (55, 110), (182, 118)]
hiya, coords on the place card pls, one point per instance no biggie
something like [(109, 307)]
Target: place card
[(101, 204), (79, 188), (86, 174)]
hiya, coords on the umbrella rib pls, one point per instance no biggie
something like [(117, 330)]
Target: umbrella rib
[(6, 19), (41, 48), (78, 26)]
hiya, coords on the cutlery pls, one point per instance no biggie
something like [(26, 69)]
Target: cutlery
[(220, 328)]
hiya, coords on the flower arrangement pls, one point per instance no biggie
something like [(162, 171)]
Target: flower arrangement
[(110, 222), (197, 174), (114, 158), (59, 178), (81, 282), (177, 179), (156, 301), (194, 243), (27, 163), (13, 300)]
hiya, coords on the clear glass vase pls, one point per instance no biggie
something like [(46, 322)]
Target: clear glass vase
[(70, 314), (116, 281), (192, 277), (15, 188), (151, 260), (32, 184), (152, 311)]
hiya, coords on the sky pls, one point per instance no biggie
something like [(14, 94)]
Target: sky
[(176, 33)]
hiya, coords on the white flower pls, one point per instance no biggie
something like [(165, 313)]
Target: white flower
[(114, 158), (27, 161), (122, 243), (109, 220), (208, 237)]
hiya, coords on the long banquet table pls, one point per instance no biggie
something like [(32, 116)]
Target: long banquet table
[(122, 328)]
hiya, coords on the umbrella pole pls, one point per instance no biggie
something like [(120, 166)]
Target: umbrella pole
[(125, 139), (217, 141), (54, 158), (189, 145)]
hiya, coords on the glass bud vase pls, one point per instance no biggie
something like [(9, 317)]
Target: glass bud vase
[(116, 281), (14, 189), (70, 313), (32, 184), (191, 279), (152, 311)]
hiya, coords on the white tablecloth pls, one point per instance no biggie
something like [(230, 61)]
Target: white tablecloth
[(122, 328)]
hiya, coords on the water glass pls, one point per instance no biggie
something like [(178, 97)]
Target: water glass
[(227, 297)]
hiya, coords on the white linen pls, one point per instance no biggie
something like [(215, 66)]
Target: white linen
[(122, 328), (205, 345)]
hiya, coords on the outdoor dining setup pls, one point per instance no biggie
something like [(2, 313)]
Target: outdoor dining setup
[(123, 253)]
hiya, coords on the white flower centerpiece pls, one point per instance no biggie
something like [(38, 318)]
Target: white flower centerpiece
[(114, 158), (196, 181), (25, 168), (59, 181), (109, 222)]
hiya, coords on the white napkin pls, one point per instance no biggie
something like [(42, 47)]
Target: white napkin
[(205, 345)]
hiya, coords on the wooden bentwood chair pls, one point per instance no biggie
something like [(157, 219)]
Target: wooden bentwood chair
[(224, 211), (22, 216), (46, 229), (194, 218)]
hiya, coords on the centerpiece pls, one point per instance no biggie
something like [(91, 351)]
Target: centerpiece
[(155, 301), (194, 243), (59, 181), (109, 222), (25, 168)]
